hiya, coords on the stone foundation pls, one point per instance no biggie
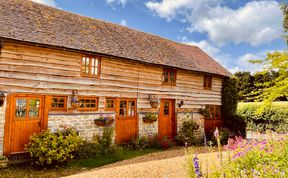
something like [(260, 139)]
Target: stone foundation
[(2, 123), (196, 117), (146, 129), (84, 123)]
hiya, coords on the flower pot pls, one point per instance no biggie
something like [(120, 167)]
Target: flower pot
[(154, 104), (104, 122), (149, 120)]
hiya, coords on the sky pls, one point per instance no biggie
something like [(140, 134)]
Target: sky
[(231, 31)]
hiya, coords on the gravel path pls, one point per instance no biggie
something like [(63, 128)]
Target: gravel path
[(166, 168), (166, 164)]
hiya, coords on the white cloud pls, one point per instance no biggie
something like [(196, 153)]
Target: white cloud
[(46, 2), (243, 63), (240, 63), (123, 22), (119, 2), (255, 23)]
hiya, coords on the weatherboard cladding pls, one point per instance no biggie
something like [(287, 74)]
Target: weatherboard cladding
[(32, 22)]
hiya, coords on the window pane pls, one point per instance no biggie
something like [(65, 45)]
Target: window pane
[(172, 77), (93, 66), (34, 106), (20, 111), (166, 108), (87, 65), (131, 108), (165, 77), (109, 103), (83, 65)]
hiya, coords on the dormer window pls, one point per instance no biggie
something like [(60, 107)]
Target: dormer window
[(90, 66), (169, 76)]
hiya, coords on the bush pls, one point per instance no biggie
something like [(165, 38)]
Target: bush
[(230, 97), (187, 134), (53, 149), (274, 118), (98, 146), (224, 134), (151, 141)]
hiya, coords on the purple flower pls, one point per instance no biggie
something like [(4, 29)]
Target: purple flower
[(196, 166)]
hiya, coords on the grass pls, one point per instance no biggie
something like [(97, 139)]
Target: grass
[(108, 159), (73, 167)]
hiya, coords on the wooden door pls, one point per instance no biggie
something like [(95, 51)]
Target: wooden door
[(126, 120), (166, 121), (27, 114)]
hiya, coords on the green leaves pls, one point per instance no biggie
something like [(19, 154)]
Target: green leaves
[(52, 149)]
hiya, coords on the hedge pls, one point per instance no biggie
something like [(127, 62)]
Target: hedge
[(274, 118)]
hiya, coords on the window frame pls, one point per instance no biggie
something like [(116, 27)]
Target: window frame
[(58, 108), (126, 108), (216, 109), (85, 108), (114, 101), (82, 74), (169, 70), (207, 82)]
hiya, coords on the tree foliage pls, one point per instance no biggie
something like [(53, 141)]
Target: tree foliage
[(229, 106), (284, 8), (250, 86), (278, 87)]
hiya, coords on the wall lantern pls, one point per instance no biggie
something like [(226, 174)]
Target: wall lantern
[(2, 98), (181, 103), (154, 101), (74, 99)]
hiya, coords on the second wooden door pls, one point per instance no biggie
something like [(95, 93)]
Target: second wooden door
[(166, 121), (126, 120)]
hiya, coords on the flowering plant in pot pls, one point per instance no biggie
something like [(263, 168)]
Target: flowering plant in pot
[(104, 121), (150, 117)]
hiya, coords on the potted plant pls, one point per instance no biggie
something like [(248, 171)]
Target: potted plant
[(150, 117), (104, 121), (3, 162)]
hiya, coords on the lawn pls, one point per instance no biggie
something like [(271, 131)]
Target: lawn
[(73, 167)]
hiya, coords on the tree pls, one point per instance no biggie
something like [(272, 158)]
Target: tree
[(244, 85), (277, 61), (284, 8)]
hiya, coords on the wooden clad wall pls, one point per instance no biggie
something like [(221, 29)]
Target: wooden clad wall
[(34, 69)]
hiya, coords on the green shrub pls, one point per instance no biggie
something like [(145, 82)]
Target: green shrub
[(274, 118), (98, 146), (224, 134), (230, 97), (53, 149), (140, 143), (187, 134)]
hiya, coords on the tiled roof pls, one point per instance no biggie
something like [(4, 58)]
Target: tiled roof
[(32, 22)]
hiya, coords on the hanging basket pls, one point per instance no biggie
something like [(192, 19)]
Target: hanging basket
[(150, 117), (104, 121)]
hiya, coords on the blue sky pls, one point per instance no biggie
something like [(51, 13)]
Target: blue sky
[(231, 31)]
